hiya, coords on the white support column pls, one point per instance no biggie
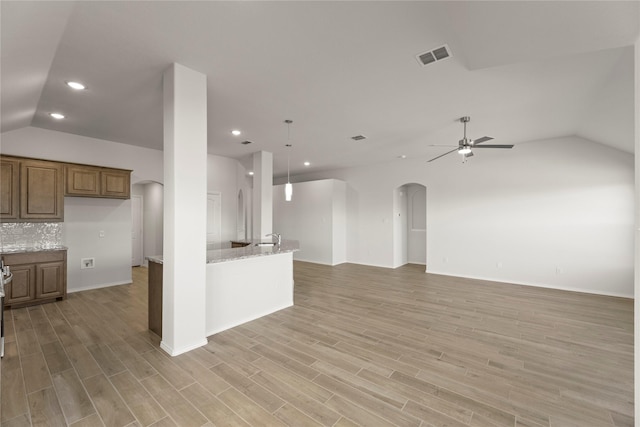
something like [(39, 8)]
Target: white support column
[(637, 230), (185, 210), (262, 194)]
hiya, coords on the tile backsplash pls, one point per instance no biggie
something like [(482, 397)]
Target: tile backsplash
[(16, 235)]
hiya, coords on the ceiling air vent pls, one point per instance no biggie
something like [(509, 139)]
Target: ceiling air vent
[(245, 142), (358, 137), (434, 55)]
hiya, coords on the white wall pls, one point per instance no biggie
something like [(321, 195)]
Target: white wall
[(556, 213), (153, 202), (152, 194), (222, 176), (86, 217), (315, 217), (400, 225)]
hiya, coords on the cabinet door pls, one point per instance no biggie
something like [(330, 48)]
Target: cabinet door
[(41, 190), (82, 181), (23, 286), (116, 183), (50, 279), (9, 189)]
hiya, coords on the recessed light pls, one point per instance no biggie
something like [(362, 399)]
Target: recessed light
[(307, 163), (402, 156), (235, 132), (251, 173), (57, 116), (76, 85)]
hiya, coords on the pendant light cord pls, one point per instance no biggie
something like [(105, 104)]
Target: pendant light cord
[(288, 122)]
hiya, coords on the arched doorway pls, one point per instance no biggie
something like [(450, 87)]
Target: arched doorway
[(147, 209), (410, 225)]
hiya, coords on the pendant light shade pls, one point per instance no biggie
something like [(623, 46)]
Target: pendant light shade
[(288, 188), (288, 191)]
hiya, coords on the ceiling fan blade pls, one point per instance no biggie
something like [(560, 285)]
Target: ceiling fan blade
[(481, 140), (442, 155), (495, 146)]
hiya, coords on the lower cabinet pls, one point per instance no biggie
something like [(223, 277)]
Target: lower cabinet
[(38, 277)]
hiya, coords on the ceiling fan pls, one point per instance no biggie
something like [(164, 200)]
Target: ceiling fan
[(465, 145)]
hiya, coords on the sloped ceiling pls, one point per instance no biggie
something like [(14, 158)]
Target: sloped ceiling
[(522, 70)]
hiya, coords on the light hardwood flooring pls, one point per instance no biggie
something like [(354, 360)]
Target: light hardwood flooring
[(362, 346)]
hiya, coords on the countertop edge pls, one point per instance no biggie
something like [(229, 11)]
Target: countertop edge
[(232, 254), (18, 250)]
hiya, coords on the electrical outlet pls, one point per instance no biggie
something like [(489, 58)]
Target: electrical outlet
[(499, 264), (101, 234), (87, 263)]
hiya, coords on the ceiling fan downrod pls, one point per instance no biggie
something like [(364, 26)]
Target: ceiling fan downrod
[(464, 143)]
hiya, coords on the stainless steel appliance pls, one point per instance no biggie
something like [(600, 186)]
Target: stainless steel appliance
[(7, 277)]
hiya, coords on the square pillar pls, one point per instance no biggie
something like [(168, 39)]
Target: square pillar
[(185, 210)]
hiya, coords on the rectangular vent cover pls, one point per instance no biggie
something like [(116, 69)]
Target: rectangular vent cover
[(358, 137), (245, 142), (434, 55)]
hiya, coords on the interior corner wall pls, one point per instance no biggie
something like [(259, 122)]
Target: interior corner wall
[(315, 217), (86, 217), (553, 213), (339, 222)]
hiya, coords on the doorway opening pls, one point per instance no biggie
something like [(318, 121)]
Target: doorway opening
[(147, 207), (410, 225)]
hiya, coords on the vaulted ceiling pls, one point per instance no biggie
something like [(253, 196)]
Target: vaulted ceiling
[(522, 70)]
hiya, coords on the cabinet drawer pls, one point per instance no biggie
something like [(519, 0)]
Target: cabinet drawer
[(33, 257)]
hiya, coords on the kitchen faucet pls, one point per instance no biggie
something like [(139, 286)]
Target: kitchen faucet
[(277, 236)]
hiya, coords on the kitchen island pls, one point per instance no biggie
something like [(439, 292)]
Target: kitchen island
[(243, 283)]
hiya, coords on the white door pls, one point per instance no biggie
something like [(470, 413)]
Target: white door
[(214, 218), (136, 231)]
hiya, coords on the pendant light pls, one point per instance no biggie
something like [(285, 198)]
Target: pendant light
[(288, 188)]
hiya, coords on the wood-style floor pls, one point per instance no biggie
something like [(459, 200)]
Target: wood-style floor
[(362, 346)]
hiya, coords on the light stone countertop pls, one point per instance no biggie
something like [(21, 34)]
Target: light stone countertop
[(13, 249), (224, 252)]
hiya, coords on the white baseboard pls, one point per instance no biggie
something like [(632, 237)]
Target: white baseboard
[(176, 352), (537, 285)]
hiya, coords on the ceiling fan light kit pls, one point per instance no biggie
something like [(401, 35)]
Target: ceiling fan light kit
[(466, 145)]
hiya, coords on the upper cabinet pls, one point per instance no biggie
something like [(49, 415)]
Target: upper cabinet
[(92, 181), (33, 190), (82, 181), (9, 189), (115, 183), (41, 190)]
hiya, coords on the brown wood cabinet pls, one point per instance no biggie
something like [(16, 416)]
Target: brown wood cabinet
[(9, 189), (92, 181), (41, 190), (82, 181), (31, 190), (38, 277)]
